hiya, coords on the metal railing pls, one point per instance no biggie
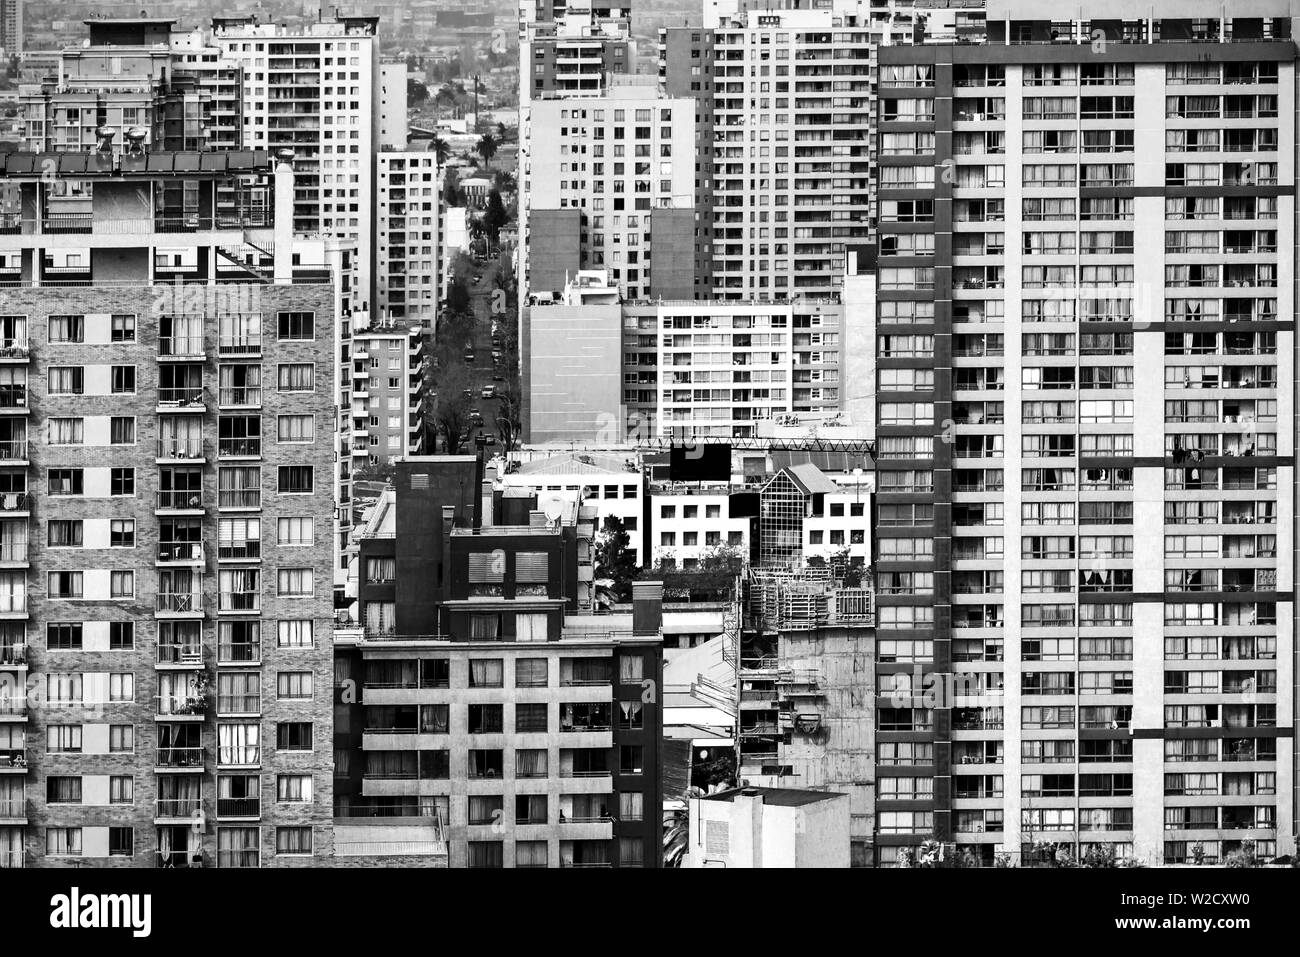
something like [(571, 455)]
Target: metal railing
[(179, 499), (177, 807), (186, 757), (179, 601), (180, 551)]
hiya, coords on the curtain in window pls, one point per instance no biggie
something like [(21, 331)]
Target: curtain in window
[(435, 719), (485, 673), (485, 626), (380, 617), (530, 763), (531, 627)]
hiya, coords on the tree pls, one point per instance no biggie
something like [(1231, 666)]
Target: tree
[(495, 216), (504, 181), (677, 830), (503, 133), (458, 298), (1243, 856), (440, 149), (416, 92), (452, 195), (614, 559), (449, 412), (486, 148)]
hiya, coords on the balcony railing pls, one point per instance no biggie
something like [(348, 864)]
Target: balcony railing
[(180, 398), (245, 551), (250, 345), (182, 449), (182, 704), (239, 807), (179, 601), (239, 447), (180, 653), (185, 859), (239, 652), (179, 500), (13, 397), (180, 347), (180, 551), (13, 449), (179, 757), (237, 601), (14, 348), (16, 502)]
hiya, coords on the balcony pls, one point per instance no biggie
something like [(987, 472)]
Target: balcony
[(185, 348), (182, 604), (16, 503), (249, 550), (248, 807), (13, 553), (13, 759), (13, 398), (14, 349), (183, 809), (239, 602), (13, 451), (179, 450), (244, 448), (12, 708), (184, 758), (181, 706), (239, 652), (179, 500), (172, 399), (180, 553), (180, 654), (250, 345), (185, 859)]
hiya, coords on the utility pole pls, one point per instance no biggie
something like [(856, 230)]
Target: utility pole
[(476, 120)]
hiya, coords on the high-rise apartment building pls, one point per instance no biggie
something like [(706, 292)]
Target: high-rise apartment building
[(610, 179), (315, 90), (11, 27), (1084, 316), (493, 707), (165, 601), (388, 393), (409, 235)]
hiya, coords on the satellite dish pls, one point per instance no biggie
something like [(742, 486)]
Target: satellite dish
[(554, 509)]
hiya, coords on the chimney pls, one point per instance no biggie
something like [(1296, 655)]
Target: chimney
[(284, 216), (647, 609)]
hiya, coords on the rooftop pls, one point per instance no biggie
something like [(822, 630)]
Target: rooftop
[(574, 464)]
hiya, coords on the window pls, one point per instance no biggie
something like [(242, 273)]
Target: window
[(293, 736), (121, 635), (121, 790), (65, 380), (63, 636), (295, 633), (123, 380), (121, 687), (530, 717), (630, 759), (531, 627), (296, 479), (66, 584), (292, 840), (630, 716), (66, 481), (123, 329), (630, 669), (121, 430), (631, 806), (295, 531), (485, 854), (293, 789), (67, 431), (121, 533), (64, 533), (530, 673), (121, 739), (296, 377), (295, 582), (297, 326), (63, 739), (485, 673), (121, 841), (67, 328), (121, 482), (293, 685), (62, 789), (295, 428), (63, 842), (122, 584)]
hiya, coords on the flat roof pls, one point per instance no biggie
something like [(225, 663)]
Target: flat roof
[(778, 797), (189, 163)]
